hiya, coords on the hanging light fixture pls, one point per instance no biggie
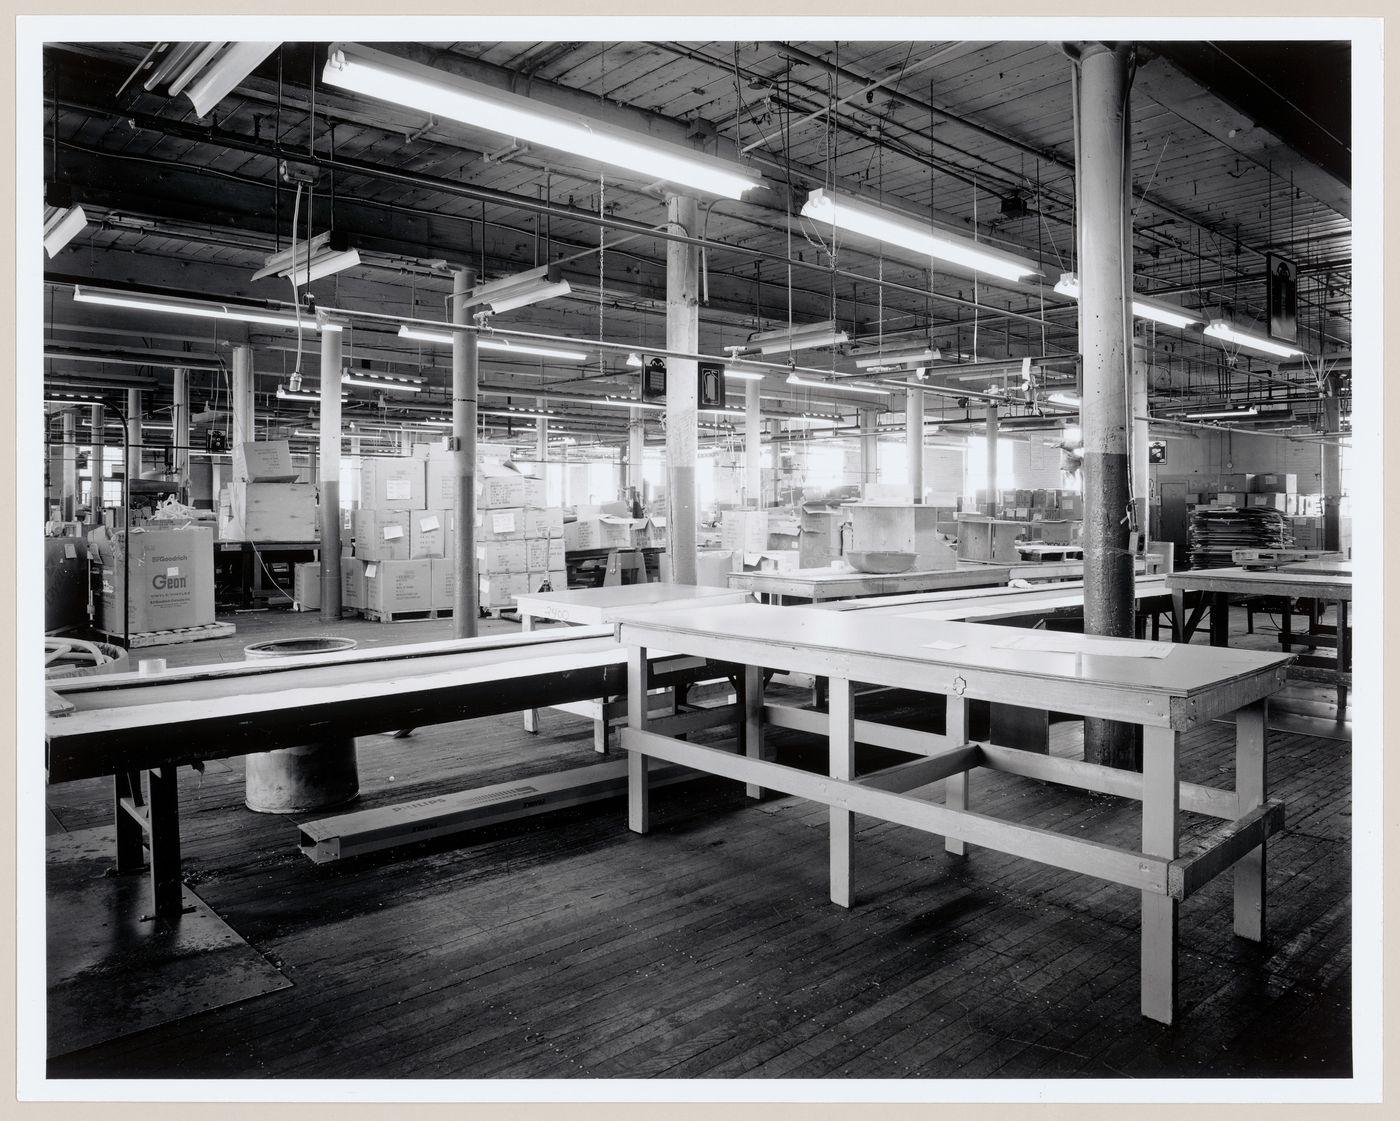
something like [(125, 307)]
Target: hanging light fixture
[(804, 336), (62, 220), (1144, 307), (909, 233), (287, 394), (324, 254), (1223, 414), (793, 379), (178, 305), (500, 346), (206, 72), (1228, 332), (890, 361), (387, 77), (520, 290)]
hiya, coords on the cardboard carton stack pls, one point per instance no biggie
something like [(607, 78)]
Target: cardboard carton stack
[(397, 540), (520, 541), (264, 502), (170, 584)]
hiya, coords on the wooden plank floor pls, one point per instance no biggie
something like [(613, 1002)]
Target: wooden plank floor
[(564, 946)]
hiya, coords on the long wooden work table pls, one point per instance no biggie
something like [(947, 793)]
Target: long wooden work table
[(963, 662)]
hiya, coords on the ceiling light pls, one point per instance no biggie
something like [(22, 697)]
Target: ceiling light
[(61, 225), (391, 386), (741, 372), (1064, 399), (324, 254), (175, 305), (793, 379), (1223, 414), (1144, 307), (387, 77), (1223, 329), (913, 234), (888, 361), (292, 395), (209, 70), (518, 291), (498, 345), (315, 434), (805, 336)]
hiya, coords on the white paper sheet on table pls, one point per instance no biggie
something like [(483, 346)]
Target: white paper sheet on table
[(1052, 643)]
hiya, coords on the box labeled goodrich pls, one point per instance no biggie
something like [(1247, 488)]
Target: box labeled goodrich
[(430, 534), (1272, 501), (269, 461), (382, 534), (270, 512), (441, 486), (398, 585), (392, 483), (171, 580)]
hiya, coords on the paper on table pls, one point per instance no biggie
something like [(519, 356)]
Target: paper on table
[(504, 522), (1096, 645), (941, 644)]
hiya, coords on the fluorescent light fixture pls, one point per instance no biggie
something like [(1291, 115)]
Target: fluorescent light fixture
[(174, 305), (291, 395), (519, 414), (913, 234), (1144, 307), (230, 67), (376, 74), (61, 225), (1223, 414), (426, 335), (634, 360), (381, 383), (741, 372), (324, 254), (1224, 329), (316, 434), (805, 336), (520, 290), (888, 361), (793, 379), (1064, 399)]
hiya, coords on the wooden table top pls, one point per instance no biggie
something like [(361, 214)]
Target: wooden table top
[(1334, 584), (600, 605), (832, 582), (994, 603), (1189, 685)]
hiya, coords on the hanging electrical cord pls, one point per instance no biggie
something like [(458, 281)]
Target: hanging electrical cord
[(294, 382)]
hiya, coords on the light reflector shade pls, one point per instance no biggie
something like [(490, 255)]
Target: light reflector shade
[(499, 346), (323, 255), (62, 225), (521, 290), (900, 230), (374, 73), (1224, 329), (845, 387), (800, 336), (174, 305), (230, 66), (890, 360)]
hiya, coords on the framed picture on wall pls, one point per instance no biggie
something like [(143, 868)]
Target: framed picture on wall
[(1156, 451)]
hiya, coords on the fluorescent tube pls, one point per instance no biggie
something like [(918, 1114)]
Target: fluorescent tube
[(1144, 307), (444, 338), (215, 83), (1223, 329), (150, 301), (62, 225), (793, 379)]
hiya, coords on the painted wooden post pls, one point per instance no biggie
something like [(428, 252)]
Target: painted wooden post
[(638, 787), (1160, 803), (1251, 787), (841, 749), (955, 786)]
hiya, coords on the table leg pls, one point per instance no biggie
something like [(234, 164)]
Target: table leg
[(1179, 615), (1285, 636), (531, 716), (1160, 802), (166, 889), (1343, 655), (753, 721), (638, 792), (955, 786), (1251, 787), (1220, 619), (126, 787), (841, 750)]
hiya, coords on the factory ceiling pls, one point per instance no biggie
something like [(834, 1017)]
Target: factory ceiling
[(1237, 151)]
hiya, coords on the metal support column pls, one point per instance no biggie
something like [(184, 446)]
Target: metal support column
[(868, 421), (328, 466), (914, 441), (1331, 469), (993, 447), (68, 495), (682, 432), (464, 387), (1142, 365), (95, 464), (753, 446), (1103, 310), (133, 434), (180, 428), (242, 395)]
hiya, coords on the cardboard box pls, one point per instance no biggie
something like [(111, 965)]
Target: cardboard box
[(267, 462), (501, 556), (1274, 501), (1071, 506), (444, 582), (1274, 484), (499, 491), (171, 580), (352, 582), (1236, 483), (306, 586), (431, 533), (501, 589), (441, 483), (548, 522), (1230, 498), (597, 531), (543, 554), (382, 534), (398, 585), (744, 531), (269, 512), (392, 483), (501, 525)]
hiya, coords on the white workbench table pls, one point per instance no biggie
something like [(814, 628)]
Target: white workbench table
[(595, 606), (1165, 696), (820, 584)]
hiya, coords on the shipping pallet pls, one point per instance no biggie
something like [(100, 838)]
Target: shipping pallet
[(406, 616), (1274, 558), (511, 613), (161, 638), (1049, 554)]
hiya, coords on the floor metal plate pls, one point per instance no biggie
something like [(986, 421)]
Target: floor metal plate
[(111, 974)]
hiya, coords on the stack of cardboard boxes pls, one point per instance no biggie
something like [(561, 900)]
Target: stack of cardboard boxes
[(264, 502), (520, 541), (403, 548), (156, 580)]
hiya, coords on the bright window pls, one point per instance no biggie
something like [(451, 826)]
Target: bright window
[(976, 461)]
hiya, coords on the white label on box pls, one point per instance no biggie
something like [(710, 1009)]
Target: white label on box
[(69, 551), (173, 570), (428, 523), (398, 488), (503, 522), (371, 570), (392, 531)]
